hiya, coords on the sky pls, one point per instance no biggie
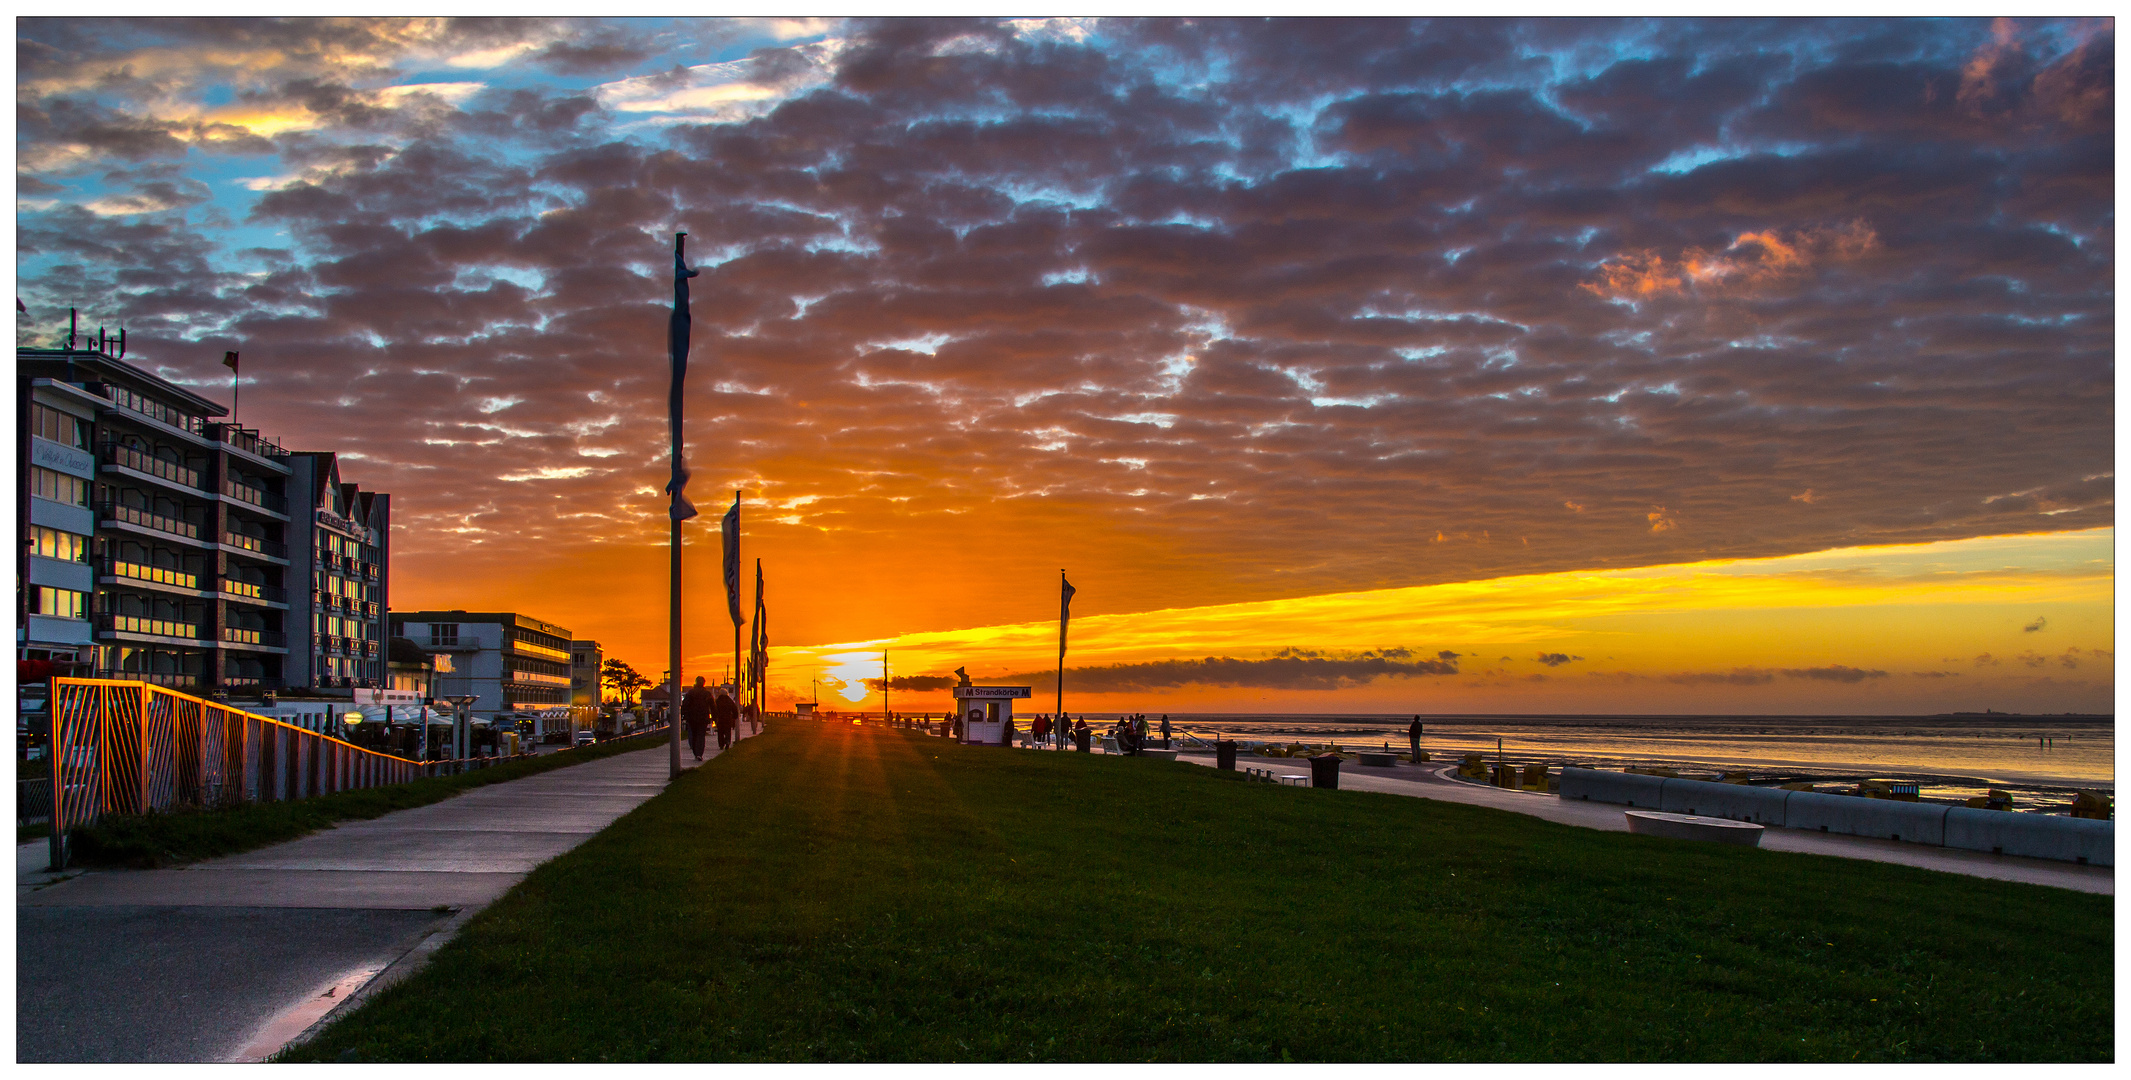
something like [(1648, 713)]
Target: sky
[(1343, 365)]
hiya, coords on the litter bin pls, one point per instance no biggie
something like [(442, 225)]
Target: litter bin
[(1224, 753), (1082, 737), (1324, 771)]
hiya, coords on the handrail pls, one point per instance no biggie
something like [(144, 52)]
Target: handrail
[(256, 496), (268, 593), (114, 622), (260, 544), (161, 575), (134, 515), (131, 458), (122, 746)]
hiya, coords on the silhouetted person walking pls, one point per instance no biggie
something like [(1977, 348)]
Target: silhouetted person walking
[(727, 715), (695, 709), (1413, 735)]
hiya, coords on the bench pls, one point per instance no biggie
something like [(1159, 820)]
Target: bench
[(1381, 761), (1690, 827)]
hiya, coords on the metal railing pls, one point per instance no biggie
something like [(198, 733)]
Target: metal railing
[(248, 441), (142, 624), (255, 543), (244, 635), (133, 515), (161, 575), (131, 748), (119, 454), (267, 593), (259, 497)]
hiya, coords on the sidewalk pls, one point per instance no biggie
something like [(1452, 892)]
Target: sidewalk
[(1433, 782), (229, 958)]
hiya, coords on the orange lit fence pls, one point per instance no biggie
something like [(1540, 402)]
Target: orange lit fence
[(130, 747)]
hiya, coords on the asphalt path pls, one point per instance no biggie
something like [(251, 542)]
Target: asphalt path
[(232, 956)]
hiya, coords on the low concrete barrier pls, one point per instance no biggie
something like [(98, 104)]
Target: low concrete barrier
[(1737, 802), (1165, 755), (2035, 835), (1631, 789), (1888, 819)]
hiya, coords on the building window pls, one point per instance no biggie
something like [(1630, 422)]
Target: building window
[(65, 429), (443, 633), (58, 486), (54, 544), (58, 603)]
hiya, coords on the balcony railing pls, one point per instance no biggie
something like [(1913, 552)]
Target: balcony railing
[(141, 624), (248, 441), (128, 457), (254, 543), (370, 649), (161, 575), (133, 515), (259, 497), (160, 678), (250, 682), (249, 591), (329, 559), (244, 635), (370, 570)]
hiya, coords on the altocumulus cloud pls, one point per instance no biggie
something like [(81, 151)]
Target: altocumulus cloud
[(1293, 669), (1240, 309)]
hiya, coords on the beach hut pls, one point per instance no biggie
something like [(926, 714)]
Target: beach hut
[(986, 710)]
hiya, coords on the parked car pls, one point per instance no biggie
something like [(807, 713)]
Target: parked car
[(586, 738)]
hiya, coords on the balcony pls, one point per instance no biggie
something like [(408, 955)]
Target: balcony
[(128, 457), (251, 682), (370, 608), (247, 590), (329, 559), (133, 515), (254, 543), (453, 644), (160, 575), (370, 571), (370, 650), (244, 635), (259, 497), (176, 680), (110, 623), (247, 441)]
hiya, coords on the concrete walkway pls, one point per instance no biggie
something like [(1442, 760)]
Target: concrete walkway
[(229, 959), (1433, 782)]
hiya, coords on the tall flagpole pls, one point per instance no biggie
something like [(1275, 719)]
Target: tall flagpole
[(678, 510), (1065, 601), (733, 579), (884, 686)]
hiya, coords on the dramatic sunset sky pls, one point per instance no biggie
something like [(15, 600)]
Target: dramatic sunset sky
[(1345, 365)]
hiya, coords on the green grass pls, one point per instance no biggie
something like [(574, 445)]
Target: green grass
[(144, 841), (844, 894)]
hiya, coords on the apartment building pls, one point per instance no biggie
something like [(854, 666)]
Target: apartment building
[(585, 659), (158, 540), (506, 661)]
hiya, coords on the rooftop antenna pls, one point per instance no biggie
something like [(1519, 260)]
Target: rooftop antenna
[(70, 329), (122, 343)]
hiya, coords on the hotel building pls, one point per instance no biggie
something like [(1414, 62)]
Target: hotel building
[(506, 661)]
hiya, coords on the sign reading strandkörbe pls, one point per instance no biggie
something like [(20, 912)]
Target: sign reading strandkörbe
[(991, 691)]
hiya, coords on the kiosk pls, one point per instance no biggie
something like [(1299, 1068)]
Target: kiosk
[(986, 710)]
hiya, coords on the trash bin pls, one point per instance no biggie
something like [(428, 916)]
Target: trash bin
[(1082, 737), (1224, 753), (1324, 771)]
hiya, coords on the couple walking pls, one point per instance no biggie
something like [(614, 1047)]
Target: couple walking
[(700, 706)]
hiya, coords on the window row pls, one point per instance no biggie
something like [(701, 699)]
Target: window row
[(58, 603), (57, 544), (58, 486), (63, 428)]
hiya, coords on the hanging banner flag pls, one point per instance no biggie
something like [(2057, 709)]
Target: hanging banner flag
[(677, 329), (1065, 610), (762, 630), (731, 528)]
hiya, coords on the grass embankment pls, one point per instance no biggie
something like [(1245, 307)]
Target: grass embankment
[(164, 839), (831, 893)]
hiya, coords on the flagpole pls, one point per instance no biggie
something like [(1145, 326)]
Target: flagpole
[(1062, 600), (678, 509), (734, 575), (884, 686)]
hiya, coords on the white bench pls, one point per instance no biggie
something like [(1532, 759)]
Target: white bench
[(1691, 827)]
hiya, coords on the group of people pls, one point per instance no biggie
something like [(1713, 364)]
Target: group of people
[(702, 708), (1056, 731), (1131, 733)]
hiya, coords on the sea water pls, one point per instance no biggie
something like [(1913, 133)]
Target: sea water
[(2039, 759)]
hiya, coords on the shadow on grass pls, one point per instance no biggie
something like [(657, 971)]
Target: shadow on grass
[(844, 894)]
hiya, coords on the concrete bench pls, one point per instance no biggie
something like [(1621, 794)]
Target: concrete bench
[(1692, 827), (1165, 755), (1298, 779), (1381, 761)]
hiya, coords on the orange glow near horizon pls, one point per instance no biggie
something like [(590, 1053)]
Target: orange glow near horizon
[(1927, 627)]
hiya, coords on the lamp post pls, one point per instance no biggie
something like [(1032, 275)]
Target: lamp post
[(461, 727)]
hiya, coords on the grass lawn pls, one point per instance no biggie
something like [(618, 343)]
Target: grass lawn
[(831, 893), (163, 839)]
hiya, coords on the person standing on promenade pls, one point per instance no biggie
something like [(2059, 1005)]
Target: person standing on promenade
[(1040, 727), (695, 709), (1165, 731), (727, 715), (1413, 735)]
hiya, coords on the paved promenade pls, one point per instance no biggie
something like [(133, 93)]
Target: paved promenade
[(226, 960), (1433, 782)]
